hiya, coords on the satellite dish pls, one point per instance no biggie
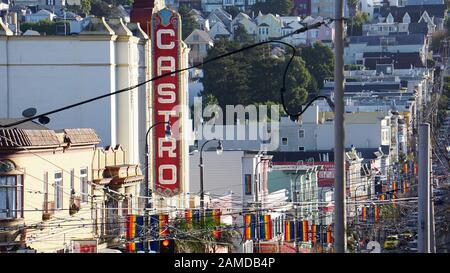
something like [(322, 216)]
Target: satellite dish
[(28, 113), (44, 120)]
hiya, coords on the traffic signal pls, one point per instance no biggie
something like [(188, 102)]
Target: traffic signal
[(167, 246)]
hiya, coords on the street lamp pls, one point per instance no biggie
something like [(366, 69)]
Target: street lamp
[(148, 191), (257, 200), (168, 134), (219, 151)]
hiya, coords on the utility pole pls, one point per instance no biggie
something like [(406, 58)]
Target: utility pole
[(339, 133), (424, 189)]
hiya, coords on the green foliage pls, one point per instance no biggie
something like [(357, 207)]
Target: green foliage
[(188, 22), (198, 238), (46, 27), (232, 10), (436, 40), (101, 8), (241, 36), (319, 61), (280, 7), (85, 7), (254, 76), (354, 24)]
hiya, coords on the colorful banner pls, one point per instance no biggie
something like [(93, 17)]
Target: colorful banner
[(313, 234), (404, 186), (131, 227), (394, 193), (364, 213), (164, 224), (289, 230), (305, 230), (134, 247), (249, 226), (265, 227), (377, 213), (134, 226), (329, 235), (196, 216), (188, 216), (216, 214)]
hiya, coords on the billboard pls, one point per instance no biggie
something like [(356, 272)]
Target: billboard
[(167, 98)]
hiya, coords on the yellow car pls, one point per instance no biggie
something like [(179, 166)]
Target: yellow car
[(391, 242)]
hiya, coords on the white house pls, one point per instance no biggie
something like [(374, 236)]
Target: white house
[(40, 16), (219, 30)]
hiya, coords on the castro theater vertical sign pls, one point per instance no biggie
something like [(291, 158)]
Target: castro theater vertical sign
[(166, 41)]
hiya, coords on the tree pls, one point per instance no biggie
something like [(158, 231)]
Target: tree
[(319, 61), (280, 7), (101, 8), (254, 77), (85, 7), (241, 35), (188, 21), (355, 23), (233, 10), (45, 26)]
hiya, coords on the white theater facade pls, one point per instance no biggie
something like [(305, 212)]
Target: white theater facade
[(48, 72)]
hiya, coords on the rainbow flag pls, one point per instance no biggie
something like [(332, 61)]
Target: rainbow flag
[(164, 224), (208, 215), (288, 230), (131, 227), (363, 213), (216, 216), (415, 167), (134, 247), (405, 168), (305, 230), (265, 227), (196, 216), (313, 234), (188, 216), (404, 186), (394, 193), (377, 213), (329, 237), (300, 230), (249, 226)]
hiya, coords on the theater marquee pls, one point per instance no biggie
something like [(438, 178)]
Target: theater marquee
[(167, 99)]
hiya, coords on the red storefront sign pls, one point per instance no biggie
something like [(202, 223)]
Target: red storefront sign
[(166, 40)]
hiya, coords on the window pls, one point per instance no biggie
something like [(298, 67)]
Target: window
[(72, 180), (284, 140), (301, 148), (11, 196), (58, 185), (84, 185), (301, 133), (248, 184)]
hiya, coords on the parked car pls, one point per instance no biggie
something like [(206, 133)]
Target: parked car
[(391, 242)]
